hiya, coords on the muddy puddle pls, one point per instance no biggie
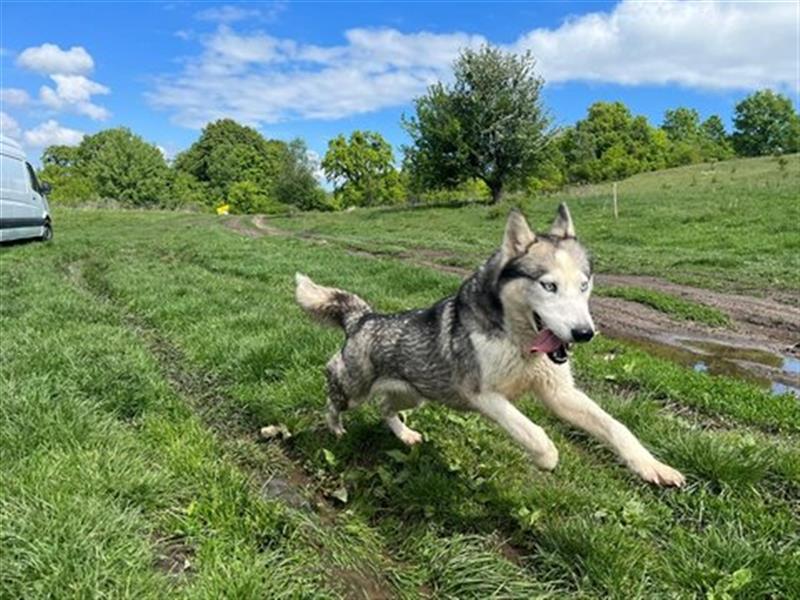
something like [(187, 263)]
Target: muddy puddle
[(779, 373)]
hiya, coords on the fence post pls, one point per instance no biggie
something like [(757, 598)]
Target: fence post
[(616, 213)]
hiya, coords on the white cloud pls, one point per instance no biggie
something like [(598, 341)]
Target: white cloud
[(226, 51), (49, 59), (712, 45), (67, 68), (8, 126), (49, 133), (14, 97), (229, 13), (257, 78), (74, 93)]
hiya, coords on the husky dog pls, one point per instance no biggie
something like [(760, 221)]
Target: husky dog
[(504, 333)]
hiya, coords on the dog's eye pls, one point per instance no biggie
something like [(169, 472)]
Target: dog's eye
[(584, 286), (549, 286)]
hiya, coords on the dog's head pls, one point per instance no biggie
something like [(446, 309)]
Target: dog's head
[(544, 284)]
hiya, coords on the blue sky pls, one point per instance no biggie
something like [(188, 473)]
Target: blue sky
[(316, 69)]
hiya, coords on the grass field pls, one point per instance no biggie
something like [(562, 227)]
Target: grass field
[(142, 352), (729, 225)]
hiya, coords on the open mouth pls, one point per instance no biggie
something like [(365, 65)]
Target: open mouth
[(549, 343)]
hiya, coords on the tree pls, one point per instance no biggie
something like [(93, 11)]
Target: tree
[(58, 169), (246, 197), (713, 130), (227, 153), (184, 190), (714, 139), (296, 183), (610, 143), (682, 124), (114, 164), (362, 168), (649, 145), (490, 124), (692, 141), (60, 156), (765, 122), (549, 174)]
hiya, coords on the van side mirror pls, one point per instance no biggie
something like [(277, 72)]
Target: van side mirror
[(44, 187)]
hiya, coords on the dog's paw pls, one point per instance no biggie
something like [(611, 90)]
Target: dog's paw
[(547, 460), (335, 426), (410, 437), (660, 474)]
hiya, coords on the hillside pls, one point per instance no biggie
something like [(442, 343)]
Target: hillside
[(729, 225)]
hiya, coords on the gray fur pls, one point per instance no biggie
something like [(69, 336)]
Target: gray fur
[(429, 350)]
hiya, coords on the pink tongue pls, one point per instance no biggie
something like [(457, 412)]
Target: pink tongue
[(545, 342)]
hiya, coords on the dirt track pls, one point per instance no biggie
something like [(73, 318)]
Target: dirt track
[(758, 325), (759, 318)]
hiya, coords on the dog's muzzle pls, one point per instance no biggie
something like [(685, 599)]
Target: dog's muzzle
[(559, 355)]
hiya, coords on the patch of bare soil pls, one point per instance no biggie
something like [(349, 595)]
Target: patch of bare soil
[(766, 318), (173, 555), (260, 221), (360, 586), (243, 227)]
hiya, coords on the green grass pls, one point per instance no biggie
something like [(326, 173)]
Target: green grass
[(141, 353), (669, 304), (728, 225)]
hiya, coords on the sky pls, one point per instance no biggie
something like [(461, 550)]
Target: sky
[(318, 69)]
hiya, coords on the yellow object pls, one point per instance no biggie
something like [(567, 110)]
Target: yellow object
[(223, 209)]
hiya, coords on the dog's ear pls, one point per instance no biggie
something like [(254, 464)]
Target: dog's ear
[(562, 226), (518, 235)]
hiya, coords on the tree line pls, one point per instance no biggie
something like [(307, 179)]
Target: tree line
[(485, 134)]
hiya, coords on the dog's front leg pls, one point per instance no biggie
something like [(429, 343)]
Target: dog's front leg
[(572, 405), (532, 437)]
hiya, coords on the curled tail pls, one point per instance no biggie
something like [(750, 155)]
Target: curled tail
[(330, 306)]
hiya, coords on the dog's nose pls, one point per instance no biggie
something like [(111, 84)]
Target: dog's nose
[(582, 334)]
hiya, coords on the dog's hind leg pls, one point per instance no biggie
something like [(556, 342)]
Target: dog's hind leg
[(338, 398), (396, 396), (404, 433)]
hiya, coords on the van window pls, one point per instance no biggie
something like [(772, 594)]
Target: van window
[(32, 177), (12, 174)]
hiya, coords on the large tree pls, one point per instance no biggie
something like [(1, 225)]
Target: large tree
[(610, 143), (362, 169), (122, 166), (766, 123), (227, 153), (114, 164), (490, 124)]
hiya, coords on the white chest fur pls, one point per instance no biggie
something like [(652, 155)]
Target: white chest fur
[(505, 367)]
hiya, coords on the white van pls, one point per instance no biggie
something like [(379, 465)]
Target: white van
[(24, 212)]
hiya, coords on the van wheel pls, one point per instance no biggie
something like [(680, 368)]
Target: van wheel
[(47, 234)]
